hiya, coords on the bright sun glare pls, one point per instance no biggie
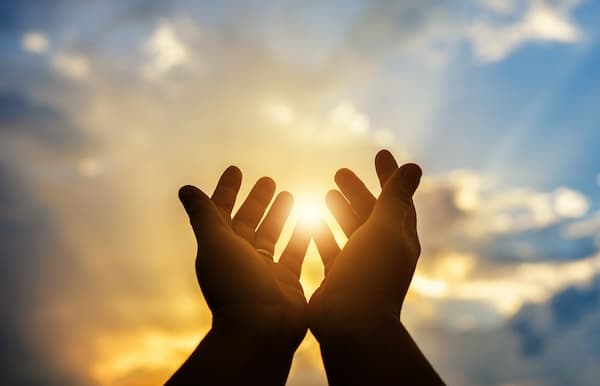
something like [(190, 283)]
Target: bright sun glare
[(309, 210)]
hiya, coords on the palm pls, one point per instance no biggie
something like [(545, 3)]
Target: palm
[(370, 276), (243, 287)]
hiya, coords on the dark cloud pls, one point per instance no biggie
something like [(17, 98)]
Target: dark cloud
[(572, 305), (15, 109), (545, 244), (27, 122), (26, 239), (386, 24), (553, 343), (34, 138)]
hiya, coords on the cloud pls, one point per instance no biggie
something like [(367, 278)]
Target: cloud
[(483, 209), (587, 227), (91, 166), (27, 123), (342, 123), (503, 7), (541, 21), (497, 246), (25, 241), (570, 203), (454, 276), (523, 209), (72, 65), (493, 28), (166, 52), (35, 42), (551, 343)]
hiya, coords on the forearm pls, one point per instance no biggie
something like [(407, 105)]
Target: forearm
[(224, 358), (386, 355)]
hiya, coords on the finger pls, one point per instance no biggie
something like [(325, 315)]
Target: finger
[(270, 229), (385, 165), (293, 255), (396, 197), (356, 192), (326, 244), (410, 225), (342, 211), (227, 190), (204, 215), (248, 216)]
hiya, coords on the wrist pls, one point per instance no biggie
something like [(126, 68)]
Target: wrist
[(229, 357), (342, 321), (251, 343), (358, 332)]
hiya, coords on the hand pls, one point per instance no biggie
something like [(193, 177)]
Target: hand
[(366, 282), (246, 290), (355, 313)]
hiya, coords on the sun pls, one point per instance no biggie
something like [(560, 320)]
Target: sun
[(309, 210)]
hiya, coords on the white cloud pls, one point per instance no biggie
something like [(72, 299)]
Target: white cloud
[(542, 21), (341, 123), (74, 66), (345, 117), (468, 187), (166, 52), (505, 291), (35, 42), (569, 203), (345, 122), (488, 210), (523, 209)]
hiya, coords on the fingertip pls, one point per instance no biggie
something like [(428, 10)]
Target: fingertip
[(186, 193), (412, 168), (285, 195), (341, 174), (383, 154), (285, 199), (267, 182), (411, 174), (331, 196), (231, 177), (233, 171)]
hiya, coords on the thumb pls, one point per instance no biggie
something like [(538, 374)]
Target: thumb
[(204, 215), (396, 197)]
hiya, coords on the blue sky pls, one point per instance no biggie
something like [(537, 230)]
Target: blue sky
[(106, 108)]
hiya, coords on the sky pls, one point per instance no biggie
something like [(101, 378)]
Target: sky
[(107, 108)]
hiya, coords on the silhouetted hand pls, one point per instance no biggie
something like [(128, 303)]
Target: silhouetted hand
[(369, 278), (258, 305), (355, 313)]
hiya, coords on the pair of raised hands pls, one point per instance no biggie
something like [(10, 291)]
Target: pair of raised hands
[(260, 313)]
